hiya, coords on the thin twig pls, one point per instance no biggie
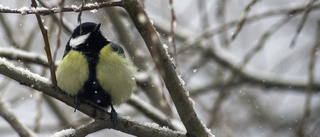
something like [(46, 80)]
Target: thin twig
[(222, 28), (243, 19), (56, 109), (173, 24), (8, 31), (312, 62), (39, 113), (151, 112), (47, 45), (61, 3), (263, 39), (45, 11), (225, 91), (80, 13), (38, 97), (21, 129), (301, 24), (66, 28), (221, 19), (222, 96), (5, 82), (31, 36)]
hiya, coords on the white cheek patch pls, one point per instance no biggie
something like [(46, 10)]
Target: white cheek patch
[(78, 40)]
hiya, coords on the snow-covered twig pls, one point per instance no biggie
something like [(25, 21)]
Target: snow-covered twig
[(45, 11)]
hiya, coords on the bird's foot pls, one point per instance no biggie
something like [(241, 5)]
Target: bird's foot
[(114, 116)]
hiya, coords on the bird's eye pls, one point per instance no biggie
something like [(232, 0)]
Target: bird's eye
[(87, 45)]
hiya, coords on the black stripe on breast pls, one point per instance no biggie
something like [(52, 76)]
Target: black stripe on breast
[(92, 90)]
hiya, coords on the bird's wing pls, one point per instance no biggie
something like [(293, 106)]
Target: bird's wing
[(116, 48)]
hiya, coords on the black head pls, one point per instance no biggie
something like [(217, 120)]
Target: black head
[(87, 37), (85, 28)]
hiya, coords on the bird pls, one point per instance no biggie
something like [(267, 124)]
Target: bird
[(95, 70)]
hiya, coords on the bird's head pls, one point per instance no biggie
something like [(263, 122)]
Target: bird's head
[(87, 36)]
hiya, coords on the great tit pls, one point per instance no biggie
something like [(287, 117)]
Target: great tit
[(95, 70)]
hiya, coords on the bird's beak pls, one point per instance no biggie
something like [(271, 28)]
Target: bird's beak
[(97, 28)]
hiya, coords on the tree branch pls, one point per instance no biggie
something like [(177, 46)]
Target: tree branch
[(301, 24), (21, 129), (311, 80), (151, 112), (252, 75), (24, 56), (45, 11), (183, 103), (44, 85), (223, 27), (243, 19), (149, 85), (46, 45)]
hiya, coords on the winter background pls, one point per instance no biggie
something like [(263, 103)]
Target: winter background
[(268, 97)]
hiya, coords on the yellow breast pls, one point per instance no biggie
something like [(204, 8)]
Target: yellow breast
[(72, 72), (115, 75)]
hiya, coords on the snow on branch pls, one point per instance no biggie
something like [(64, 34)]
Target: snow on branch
[(42, 84), (45, 11)]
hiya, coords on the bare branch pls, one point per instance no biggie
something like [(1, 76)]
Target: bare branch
[(60, 24), (303, 20), (222, 28), (8, 32), (266, 79), (151, 112), (21, 129), (183, 103), (39, 113), (243, 20), (16, 54), (262, 41), (47, 46), (312, 62), (173, 24)]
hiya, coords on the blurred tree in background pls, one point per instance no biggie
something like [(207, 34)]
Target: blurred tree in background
[(250, 67)]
